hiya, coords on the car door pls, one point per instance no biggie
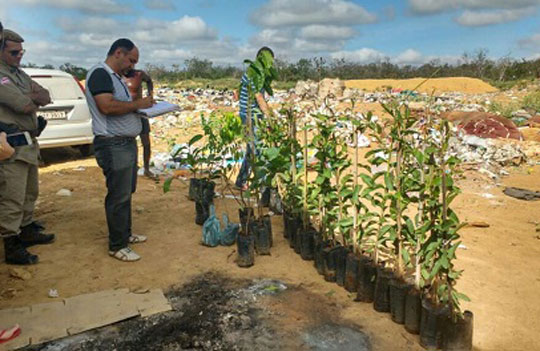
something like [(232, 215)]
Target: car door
[(68, 116)]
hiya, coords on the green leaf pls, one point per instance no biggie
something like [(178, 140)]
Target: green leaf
[(195, 139), (388, 181), (167, 185), (461, 296)]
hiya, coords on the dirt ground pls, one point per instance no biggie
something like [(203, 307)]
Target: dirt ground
[(502, 269), (501, 263)]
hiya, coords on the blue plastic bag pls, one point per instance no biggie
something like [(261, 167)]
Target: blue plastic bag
[(211, 229), (230, 231)]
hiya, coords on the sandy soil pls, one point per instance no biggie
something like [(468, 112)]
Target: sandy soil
[(461, 84), (502, 269)]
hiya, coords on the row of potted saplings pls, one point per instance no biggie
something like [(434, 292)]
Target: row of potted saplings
[(440, 324), (375, 284)]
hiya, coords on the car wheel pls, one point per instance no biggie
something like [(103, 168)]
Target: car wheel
[(86, 150)]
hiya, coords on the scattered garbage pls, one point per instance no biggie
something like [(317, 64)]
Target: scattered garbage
[(266, 287), (20, 273), (522, 194), (53, 293), (64, 192)]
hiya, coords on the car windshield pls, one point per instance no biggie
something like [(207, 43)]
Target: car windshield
[(61, 88)]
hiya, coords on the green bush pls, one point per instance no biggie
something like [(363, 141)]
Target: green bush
[(504, 109), (532, 101)]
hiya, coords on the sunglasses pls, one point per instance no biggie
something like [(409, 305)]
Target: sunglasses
[(16, 53)]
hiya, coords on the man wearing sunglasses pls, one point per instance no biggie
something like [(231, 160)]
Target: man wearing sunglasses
[(20, 97)]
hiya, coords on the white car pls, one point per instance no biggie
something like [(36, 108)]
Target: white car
[(68, 116)]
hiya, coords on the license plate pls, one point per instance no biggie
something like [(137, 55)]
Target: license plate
[(52, 115)]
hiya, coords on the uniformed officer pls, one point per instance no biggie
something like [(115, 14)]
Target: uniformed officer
[(20, 98)]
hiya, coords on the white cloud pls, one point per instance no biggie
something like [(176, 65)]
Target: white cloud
[(533, 57), (160, 5), (532, 42), (102, 25), (85, 6), (430, 6), (485, 18), (184, 29), (278, 13), (437, 6), (364, 55), (326, 32), (280, 38), (307, 28), (409, 57), (87, 41)]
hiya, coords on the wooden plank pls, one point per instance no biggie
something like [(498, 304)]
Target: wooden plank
[(99, 309), (50, 321), (153, 302), (9, 318)]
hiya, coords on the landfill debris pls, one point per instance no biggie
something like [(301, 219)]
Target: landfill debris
[(266, 287), (8, 293), (489, 156), (53, 293), (479, 224), (64, 192), (20, 273), (487, 150), (522, 194)]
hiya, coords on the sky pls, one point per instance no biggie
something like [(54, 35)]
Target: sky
[(226, 32)]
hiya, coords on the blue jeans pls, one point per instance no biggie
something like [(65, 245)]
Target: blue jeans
[(117, 157)]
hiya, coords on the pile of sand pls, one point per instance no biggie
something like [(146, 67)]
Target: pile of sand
[(439, 85)]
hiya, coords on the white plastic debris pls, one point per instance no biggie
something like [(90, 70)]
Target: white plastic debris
[(53, 293), (64, 192)]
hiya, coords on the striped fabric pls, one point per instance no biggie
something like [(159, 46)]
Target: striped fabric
[(255, 112)]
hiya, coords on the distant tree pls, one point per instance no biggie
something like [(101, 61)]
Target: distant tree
[(197, 68), (76, 71)]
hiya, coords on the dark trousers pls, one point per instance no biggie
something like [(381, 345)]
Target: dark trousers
[(245, 169), (117, 157)]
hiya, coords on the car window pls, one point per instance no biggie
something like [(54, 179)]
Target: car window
[(61, 88)]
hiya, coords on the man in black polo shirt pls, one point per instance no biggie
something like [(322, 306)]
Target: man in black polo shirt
[(116, 125)]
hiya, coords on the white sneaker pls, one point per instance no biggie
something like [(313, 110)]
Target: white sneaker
[(136, 239), (125, 255)]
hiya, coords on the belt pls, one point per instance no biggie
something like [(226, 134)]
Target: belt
[(33, 133), (102, 137)]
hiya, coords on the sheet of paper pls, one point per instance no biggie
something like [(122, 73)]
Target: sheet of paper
[(160, 108)]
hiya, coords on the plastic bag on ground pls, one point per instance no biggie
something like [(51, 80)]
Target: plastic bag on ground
[(230, 231), (211, 229)]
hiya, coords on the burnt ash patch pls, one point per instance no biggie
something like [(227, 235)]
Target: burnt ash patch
[(209, 313)]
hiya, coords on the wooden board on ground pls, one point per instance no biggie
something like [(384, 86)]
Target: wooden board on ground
[(50, 321)]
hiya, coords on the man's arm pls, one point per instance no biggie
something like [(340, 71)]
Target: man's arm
[(263, 105), (13, 98), (39, 95), (100, 85), (149, 84), (109, 106)]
